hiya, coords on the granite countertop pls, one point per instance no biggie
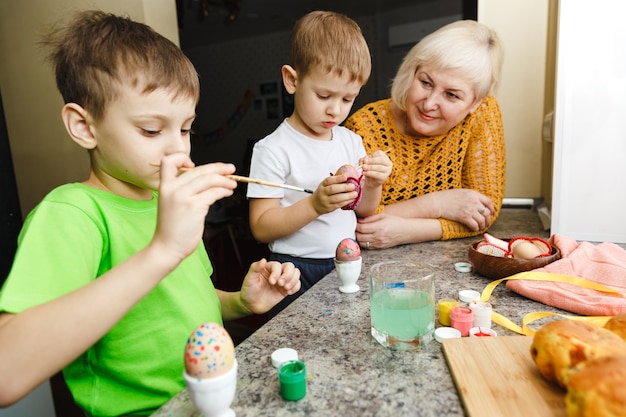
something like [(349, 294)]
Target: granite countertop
[(348, 372)]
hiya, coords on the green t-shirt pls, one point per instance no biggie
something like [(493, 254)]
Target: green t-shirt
[(71, 238)]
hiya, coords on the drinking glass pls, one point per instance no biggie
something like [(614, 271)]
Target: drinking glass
[(402, 304)]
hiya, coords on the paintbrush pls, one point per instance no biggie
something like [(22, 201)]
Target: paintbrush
[(240, 178)]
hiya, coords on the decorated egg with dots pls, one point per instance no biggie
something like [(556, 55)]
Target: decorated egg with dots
[(210, 352)]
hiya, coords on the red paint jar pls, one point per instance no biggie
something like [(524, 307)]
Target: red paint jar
[(462, 319)]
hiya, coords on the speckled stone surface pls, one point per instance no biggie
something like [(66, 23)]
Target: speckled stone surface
[(349, 373)]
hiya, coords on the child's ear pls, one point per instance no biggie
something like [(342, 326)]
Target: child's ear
[(76, 120), (289, 78)]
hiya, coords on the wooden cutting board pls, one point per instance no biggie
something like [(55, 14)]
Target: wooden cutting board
[(496, 377)]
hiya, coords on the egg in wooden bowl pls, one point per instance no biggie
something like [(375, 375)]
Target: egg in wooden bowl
[(496, 267)]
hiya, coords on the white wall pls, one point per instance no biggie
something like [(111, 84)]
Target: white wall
[(590, 122), (522, 28)]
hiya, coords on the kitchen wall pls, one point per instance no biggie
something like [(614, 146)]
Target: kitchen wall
[(43, 154), (523, 29)]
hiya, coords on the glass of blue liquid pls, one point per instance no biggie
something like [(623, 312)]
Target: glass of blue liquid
[(402, 304)]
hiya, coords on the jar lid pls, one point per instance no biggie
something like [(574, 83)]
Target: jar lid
[(443, 333), (282, 355), (463, 267), (467, 296)]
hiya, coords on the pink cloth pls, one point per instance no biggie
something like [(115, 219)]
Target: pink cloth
[(604, 263)]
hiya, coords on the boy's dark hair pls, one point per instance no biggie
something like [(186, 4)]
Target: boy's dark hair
[(97, 54)]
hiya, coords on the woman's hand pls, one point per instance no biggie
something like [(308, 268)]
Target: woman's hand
[(267, 283), (382, 231), (465, 206), (378, 231), (417, 220)]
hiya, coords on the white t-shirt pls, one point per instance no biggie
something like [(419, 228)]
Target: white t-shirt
[(289, 157)]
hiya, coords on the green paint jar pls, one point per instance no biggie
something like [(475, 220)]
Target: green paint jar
[(292, 378)]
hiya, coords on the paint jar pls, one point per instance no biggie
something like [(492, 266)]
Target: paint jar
[(445, 305), (292, 379), (462, 319), (482, 332), (482, 314)]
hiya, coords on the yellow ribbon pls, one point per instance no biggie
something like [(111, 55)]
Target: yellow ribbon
[(530, 317)]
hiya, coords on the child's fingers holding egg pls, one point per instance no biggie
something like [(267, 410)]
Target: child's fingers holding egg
[(355, 178)]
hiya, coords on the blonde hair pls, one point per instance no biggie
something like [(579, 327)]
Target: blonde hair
[(330, 42), (97, 54), (467, 45)]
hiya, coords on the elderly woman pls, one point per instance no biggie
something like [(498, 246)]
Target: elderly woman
[(443, 132)]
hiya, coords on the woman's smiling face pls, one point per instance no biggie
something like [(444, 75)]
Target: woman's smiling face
[(437, 101)]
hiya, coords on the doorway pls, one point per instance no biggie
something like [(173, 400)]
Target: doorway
[(10, 213)]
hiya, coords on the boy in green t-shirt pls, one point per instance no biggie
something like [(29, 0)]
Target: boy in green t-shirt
[(111, 277)]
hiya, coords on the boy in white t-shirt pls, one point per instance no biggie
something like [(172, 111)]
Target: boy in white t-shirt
[(330, 64)]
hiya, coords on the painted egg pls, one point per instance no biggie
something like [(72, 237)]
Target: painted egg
[(348, 170), (348, 250), (210, 352), (354, 177)]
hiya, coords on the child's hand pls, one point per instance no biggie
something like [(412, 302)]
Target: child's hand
[(333, 193), (184, 201), (267, 283), (376, 168)]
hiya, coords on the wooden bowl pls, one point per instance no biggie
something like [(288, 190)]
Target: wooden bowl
[(496, 267)]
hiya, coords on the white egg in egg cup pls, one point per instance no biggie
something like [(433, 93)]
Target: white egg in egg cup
[(213, 396)]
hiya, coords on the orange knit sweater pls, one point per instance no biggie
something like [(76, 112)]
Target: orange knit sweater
[(471, 155)]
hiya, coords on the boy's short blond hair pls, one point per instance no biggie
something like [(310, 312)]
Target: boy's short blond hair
[(332, 43), (98, 54), (467, 45)]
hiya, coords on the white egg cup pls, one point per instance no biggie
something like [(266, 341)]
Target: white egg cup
[(213, 396), (348, 273)]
